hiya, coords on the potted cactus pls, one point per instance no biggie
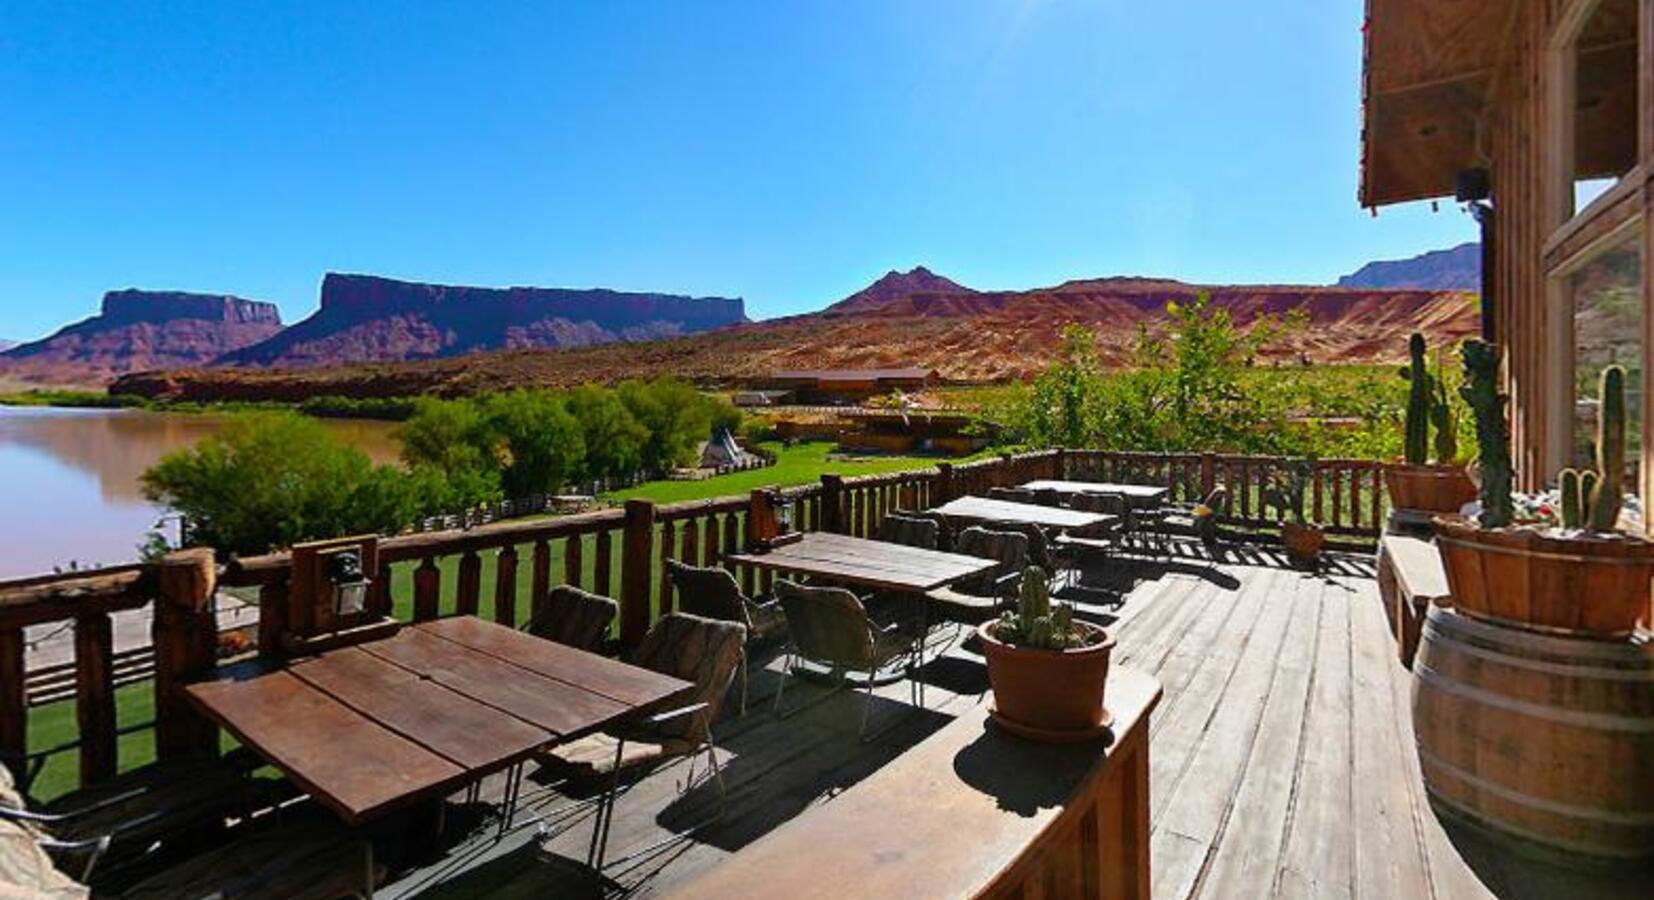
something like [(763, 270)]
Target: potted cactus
[(1417, 484), (1287, 491), (1578, 575), (1047, 670)]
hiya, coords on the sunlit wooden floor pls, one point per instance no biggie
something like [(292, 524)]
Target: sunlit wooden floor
[(1282, 760)]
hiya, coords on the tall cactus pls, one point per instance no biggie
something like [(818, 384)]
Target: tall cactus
[(1444, 418), (1416, 447), (1609, 491), (1481, 392), (1574, 502)]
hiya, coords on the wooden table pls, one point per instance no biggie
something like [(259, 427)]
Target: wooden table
[(875, 564), (982, 509), (972, 812), (1135, 494), (376, 726)]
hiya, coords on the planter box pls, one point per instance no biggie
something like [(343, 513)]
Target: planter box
[(1593, 585), (1436, 489)]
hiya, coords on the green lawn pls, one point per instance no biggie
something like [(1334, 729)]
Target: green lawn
[(795, 465)]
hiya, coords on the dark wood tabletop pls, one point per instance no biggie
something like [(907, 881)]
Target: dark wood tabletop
[(983, 509), (1135, 494), (384, 724), (876, 564)]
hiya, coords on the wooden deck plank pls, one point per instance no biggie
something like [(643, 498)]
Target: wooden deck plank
[(1389, 856), (1319, 851), (1248, 855), (1200, 802)]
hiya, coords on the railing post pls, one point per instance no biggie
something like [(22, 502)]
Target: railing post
[(95, 696), (1059, 464), (1208, 474), (761, 523), (944, 484), (185, 634), (832, 504), (14, 707), (636, 567)]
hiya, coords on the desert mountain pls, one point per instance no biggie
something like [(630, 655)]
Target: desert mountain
[(967, 335), (143, 330), (1456, 269), (894, 285), (364, 318)]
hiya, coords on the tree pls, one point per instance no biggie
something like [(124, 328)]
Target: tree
[(677, 416), (534, 441), (613, 437), (449, 435), (274, 479)]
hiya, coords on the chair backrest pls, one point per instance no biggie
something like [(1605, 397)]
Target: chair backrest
[(1039, 543), (24, 864), (1111, 504), (574, 617), (910, 530), (828, 625), (1048, 497), (709, 591), (1008, 548), (1216, 498), (694, 648)]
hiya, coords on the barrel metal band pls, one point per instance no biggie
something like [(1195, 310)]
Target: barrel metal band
[(1629, 724)]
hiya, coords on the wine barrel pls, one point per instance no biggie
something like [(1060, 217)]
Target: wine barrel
[(1544, 737)]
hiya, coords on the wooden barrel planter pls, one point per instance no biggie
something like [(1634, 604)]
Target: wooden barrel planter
[(1547, 738), (1428, 488)]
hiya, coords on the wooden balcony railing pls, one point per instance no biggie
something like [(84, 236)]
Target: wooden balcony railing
[(618, 552)]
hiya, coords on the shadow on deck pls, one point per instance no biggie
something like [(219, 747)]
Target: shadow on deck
[(1281, 758)]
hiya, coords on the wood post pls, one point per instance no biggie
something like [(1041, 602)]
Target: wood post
[(636, 568), (1208, 474), (944, 484), (427, 590), (272, 618), (95, 696), (1059, 464), (469, 591), (185, 634), (762, 525), (14, 708), (602, 562), (505, 587), (573, 548), (540, 580), (832, 504)]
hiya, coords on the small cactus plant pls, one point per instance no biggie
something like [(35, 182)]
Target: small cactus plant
[(1288, 490), (1609, 491), (1444, 418), (1416, 445), (1481, 392), (1038, 624), (1591, 498)]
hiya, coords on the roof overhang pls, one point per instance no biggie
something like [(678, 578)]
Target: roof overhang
[(1430, 72), (1429, 66)]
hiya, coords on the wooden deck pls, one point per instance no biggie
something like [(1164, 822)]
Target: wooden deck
[(1281, 761)]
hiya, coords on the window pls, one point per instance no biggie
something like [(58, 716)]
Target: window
[(1606, 301), (1601, 96)]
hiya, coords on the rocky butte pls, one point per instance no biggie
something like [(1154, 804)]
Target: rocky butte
[(366, 318), (138, 330)]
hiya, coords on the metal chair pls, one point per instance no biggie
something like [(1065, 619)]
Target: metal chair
[(712, 592), (830, 627), (574, 617), (977, 599), (910, 530), (695, 648)]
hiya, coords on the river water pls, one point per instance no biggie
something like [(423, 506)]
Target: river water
[(69, 479)]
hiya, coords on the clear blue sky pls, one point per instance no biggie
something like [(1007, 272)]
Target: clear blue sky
[(788, 152)]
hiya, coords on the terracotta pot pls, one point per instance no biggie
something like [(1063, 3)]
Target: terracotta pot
[(1590, 586), (1303, 543), (1055, 692), (1436, 488)]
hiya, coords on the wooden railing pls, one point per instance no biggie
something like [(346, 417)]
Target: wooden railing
[(504, 569)]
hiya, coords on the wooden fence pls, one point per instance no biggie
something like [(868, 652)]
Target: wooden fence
[(619, 552)]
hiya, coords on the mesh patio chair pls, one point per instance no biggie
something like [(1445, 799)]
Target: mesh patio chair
[(135, 812), (694, 648), (1188, 519), (977, 599), (713, 592), (910, 530), (575, 617), (1048, 497), (830, 627)]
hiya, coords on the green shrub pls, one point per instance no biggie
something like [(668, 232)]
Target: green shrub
[(614, 438)]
